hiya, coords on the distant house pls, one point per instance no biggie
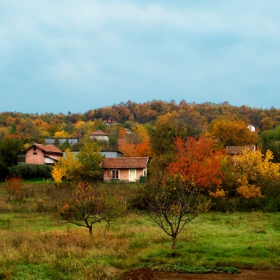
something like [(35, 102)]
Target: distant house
[(126, 169), (111, 154), (251, 128), (53, 140), (99, 135), (236, 150), (109, 121), (106, 154), (41, 154)]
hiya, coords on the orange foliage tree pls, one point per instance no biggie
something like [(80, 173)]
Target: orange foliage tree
[(135, 144), (176, 195), (13, 188), (198, 161)]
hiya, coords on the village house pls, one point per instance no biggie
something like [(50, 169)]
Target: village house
[(53, 140), (236, 150), (125, 169), (99, 135), (109, 121), (40, 154)]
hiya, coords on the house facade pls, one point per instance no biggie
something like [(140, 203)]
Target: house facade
[(125, 169), (109, 121), (237, 150), (42, 154), (53, 140), (99, 135)]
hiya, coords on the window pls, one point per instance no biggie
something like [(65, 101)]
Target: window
[(35, 153), (115, 174)]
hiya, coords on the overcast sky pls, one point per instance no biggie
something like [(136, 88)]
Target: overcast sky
[(76, 55)]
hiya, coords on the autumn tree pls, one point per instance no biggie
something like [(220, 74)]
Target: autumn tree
[(90, 204), (176, 195), (85, 166), (136, 143), (13, 188), (254, 170), (233, 133), (166, 129), (83, 208)]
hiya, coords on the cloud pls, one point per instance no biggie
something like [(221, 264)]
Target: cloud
[(202, 50)]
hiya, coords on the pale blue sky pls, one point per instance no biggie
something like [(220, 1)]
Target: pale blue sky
[(76, 55)]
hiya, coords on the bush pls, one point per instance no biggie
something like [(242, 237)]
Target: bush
[(4, 171), (31, 171)]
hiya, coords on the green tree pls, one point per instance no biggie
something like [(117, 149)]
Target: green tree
[(83, 167), (9, 149), (270, 140)]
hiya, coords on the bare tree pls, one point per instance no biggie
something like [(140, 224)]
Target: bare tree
[(171, 205)]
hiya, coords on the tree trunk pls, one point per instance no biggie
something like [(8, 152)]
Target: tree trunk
[(174, 237), (90, 229)]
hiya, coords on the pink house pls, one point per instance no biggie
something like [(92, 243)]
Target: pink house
[(126, 169), (42, 154)]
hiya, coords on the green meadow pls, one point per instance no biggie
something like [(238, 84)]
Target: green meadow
[(36, 244)]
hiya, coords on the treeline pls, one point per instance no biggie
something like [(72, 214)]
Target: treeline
[(30, 124), (143, 129)]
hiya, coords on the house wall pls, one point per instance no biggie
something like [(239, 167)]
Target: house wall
[(124, 174), (34, 156), (99, 137)]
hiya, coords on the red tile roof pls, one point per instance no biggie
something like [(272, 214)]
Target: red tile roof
[(98, 133), (46, 148), (125, 162)]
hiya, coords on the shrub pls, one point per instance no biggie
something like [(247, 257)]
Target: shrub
[(4, 171), (30, 171)]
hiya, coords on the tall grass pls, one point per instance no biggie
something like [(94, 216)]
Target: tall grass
[(36, 244)]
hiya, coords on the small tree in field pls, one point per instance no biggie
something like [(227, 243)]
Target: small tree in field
[(13, 188), (83, 208), (175, 197), (89, 205)]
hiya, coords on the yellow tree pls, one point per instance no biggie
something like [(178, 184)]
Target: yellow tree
[(65, 167), (233, 133), (61, 134), (85, 166), (253, 169)]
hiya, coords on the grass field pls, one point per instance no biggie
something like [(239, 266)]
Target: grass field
[(36, 244)]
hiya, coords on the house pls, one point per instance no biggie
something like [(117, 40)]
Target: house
[(106, 154), (42, 154), (126, 169), (99, 135), (53, 140), (236, 150), (111, 154), (109, 121)]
